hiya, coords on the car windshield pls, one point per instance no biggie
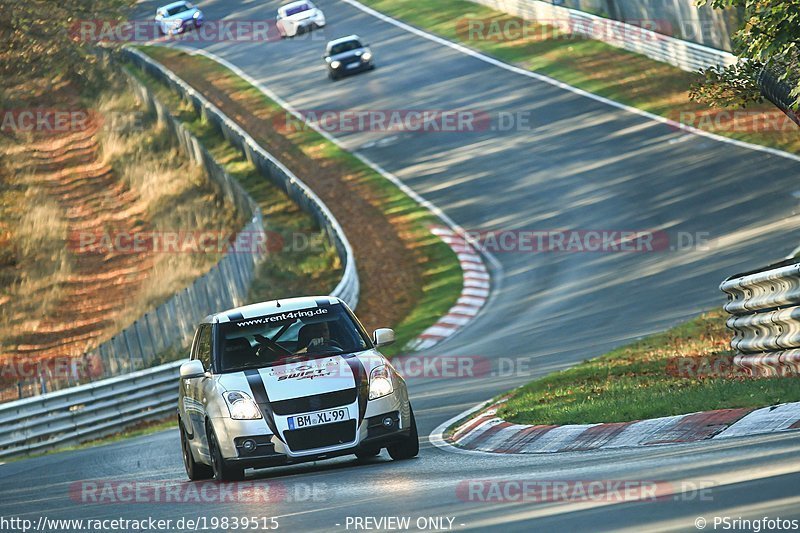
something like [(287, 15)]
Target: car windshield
[(294, 10), (178, 9), (287, 337), (346, 46)]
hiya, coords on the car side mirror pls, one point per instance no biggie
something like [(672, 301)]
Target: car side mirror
[(324, 56), (192, 369), (383, 337)]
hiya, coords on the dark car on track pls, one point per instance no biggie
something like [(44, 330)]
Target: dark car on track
[(347, 55)]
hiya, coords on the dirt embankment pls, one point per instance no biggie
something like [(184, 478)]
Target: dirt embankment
[(73, 200), (75, 193)]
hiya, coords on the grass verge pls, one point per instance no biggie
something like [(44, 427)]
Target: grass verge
[(594, 66), (683, 370), (433, 280)]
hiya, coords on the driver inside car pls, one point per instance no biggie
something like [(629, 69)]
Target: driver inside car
[(315, 338)]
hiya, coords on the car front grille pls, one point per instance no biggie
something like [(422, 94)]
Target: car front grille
[(321, 436), (317, 402)]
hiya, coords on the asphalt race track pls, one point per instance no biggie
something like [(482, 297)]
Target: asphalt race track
[(580, 165)]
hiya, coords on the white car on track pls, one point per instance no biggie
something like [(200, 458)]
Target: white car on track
[(178, 17), (299, 17), (289, 381)]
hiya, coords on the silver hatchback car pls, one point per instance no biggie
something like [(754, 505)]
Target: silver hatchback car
[(289, 381)]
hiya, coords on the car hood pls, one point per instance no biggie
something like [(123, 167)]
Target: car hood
[(183, 16), (306, 378), (358, 52)]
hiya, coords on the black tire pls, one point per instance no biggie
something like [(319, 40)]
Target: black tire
[(408, 447), (194, 470), (222, 470), (366, 453), (332, 76)]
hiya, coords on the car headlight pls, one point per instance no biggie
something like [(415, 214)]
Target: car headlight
[(196, 15), (335, 64), (241, 406), (380, 382), (366, 57)]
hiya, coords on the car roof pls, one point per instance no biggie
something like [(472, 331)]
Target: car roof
[(353, 37), (173, 4), (269, 307)]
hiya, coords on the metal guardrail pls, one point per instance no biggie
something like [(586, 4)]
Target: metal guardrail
[(97, 409), (87, 412), (682, 54), (777, 80), (765, 317)]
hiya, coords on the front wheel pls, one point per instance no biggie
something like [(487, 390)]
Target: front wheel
[(194, 470), (408, 447), (222, 470), (366, 453)]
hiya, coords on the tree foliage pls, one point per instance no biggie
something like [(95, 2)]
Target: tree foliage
[(770, 34), (37, 41)]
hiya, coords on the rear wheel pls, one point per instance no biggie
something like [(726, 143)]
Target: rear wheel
[(196, 471), (407, 447), (222, 470)]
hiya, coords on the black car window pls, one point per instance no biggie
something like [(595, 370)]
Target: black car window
[(346, 46), (289, 336), (178, 9), (204, 346)]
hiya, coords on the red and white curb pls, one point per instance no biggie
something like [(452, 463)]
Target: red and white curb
[(474, 292), (491, 434)]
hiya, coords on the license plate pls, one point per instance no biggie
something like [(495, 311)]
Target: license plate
[(316, 419), (352, 65)]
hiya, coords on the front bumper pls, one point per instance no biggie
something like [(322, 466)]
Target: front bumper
[(344, 71), (272, 451)]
